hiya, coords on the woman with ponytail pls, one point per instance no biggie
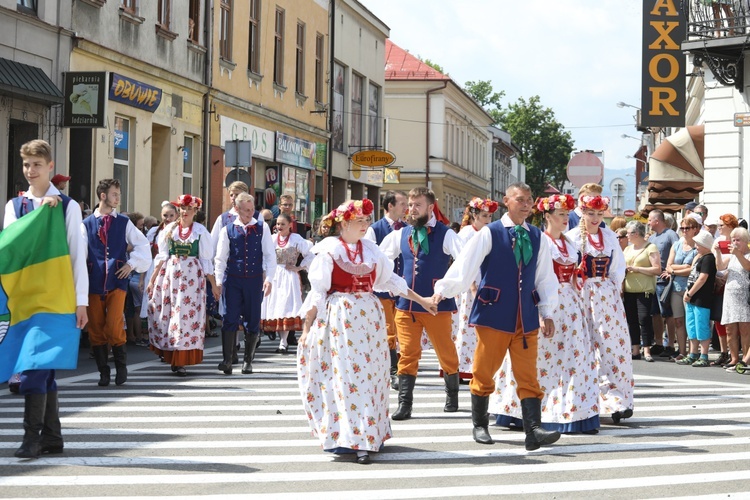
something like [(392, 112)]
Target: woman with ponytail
[(566, 363), (602, 270)]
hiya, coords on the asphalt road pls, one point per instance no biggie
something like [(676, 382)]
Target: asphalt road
[(245, 436)]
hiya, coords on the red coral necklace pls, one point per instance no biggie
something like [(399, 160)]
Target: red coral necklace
[(283, 242), (353, 254), (184, 235), (598, 246)]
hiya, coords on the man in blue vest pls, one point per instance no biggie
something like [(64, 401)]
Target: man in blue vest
[(244, 267), (115, 249), (394, 205), (41, 420), (518, 288), (426, 250)]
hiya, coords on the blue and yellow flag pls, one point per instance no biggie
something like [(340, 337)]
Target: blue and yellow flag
[(37, 295)]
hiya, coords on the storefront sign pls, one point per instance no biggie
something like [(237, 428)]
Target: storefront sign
[(134, 93), (261, 138), (373, 158), (85, 99), (663, 73), (321, 157), (295, 151)]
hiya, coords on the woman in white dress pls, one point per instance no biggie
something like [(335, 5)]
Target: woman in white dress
[(566, 362), (478, 214), (343, 360), (602, 270), (280, 307), (177, 288)]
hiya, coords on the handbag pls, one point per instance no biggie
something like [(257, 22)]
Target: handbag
[(666, 294)]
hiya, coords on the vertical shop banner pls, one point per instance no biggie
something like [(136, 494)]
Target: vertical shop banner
[(295, 151), (663, 69), (85, 99), (273, 187)]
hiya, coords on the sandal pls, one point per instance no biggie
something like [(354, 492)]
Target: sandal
[(722, 360), (701, 362), (648, 358)]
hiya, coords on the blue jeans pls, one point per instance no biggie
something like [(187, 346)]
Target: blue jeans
[(697, 322)]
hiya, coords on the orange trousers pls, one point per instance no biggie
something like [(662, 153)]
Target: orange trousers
[(409, 327), (389, 307), (107, 318), (490, 353)]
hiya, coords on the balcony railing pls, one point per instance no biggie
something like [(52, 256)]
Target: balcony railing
[(711, 20)]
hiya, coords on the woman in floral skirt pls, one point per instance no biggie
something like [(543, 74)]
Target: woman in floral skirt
[(566, 362), (280, 307), (177, 288), (602, 270), (343, 360), (478, 214)]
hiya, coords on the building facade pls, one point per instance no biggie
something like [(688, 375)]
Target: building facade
[(437, 132), (506, 169), (35, 41)]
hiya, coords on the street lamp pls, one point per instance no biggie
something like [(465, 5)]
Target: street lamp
[(626, 105), (626, 136), (636, 159)]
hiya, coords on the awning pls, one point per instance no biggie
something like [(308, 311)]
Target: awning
[(28, 82), (675, 174)]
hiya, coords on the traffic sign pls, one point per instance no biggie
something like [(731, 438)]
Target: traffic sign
[(629, 213), (584, 168)]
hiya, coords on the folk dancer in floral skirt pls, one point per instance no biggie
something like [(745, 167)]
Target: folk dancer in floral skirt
[(566, 363), (342, 357), (603, 271), (177, 289)]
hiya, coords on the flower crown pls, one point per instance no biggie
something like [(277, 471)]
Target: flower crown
[(346, 211), (593, 202), (486, 204), (556, 201), (187, 200)]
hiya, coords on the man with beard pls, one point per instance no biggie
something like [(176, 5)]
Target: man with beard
[(394, 205), (426, 249), (513, 259)]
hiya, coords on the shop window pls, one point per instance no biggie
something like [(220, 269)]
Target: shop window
[(253, 51), (278, 49), (121, 172), (187, 165), (194, 22), (356, 111), (374, 99), (225, 30), (300, 62), (319, 67)]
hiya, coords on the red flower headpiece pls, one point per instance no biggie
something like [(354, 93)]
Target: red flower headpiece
[(486, 204), (593, 202), (347, 211), (556, 201), (187, 200)]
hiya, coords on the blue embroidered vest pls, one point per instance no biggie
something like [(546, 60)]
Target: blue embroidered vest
[(23, 205), (421, 271), (245, 251), (506, 289), (382, 228), (103, 262)]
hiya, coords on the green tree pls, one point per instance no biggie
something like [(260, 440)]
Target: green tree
[(434, 66), (544, 144), (484, 94)]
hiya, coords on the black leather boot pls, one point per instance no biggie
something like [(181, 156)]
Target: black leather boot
[(394, 369), (52, 440), (33, 421), (405, 397), (536, 437), (451, 392), (228, 342), (251, 342), (481, 419), (120, 356), (100, 356)]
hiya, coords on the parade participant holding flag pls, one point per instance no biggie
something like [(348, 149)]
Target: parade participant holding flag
[(40, 323)]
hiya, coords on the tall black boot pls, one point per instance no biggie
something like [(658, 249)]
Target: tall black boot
[(451, 392), (33, 421), (405, 397), (531, 409), (228, 343), (251, 342), (120, 356), (481, 419), (52, 440), (100, 356), (394, 369)]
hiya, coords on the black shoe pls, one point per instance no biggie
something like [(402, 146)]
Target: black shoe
[(251, 343), (180, 371), (291, 339), (282, 350), (227, 351), (51, 441), (405, 397), (451, 392), (619, 415), (364, 459), (668, 352), (33, 422), (657, 349), (100, 356), (480, 419), (121, 364)]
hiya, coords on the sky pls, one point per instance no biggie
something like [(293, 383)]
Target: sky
[(581, 57)]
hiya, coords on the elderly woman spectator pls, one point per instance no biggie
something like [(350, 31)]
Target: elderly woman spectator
[(736, 312), (698, 299), (680, 261), (728, 345), (622, 237), (642, 266)]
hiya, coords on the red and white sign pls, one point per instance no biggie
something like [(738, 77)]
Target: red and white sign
[(585, 167), (629, 213)]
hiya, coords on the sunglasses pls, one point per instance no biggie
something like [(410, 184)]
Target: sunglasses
[(621, 237), (700, 213), (686, 228)]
